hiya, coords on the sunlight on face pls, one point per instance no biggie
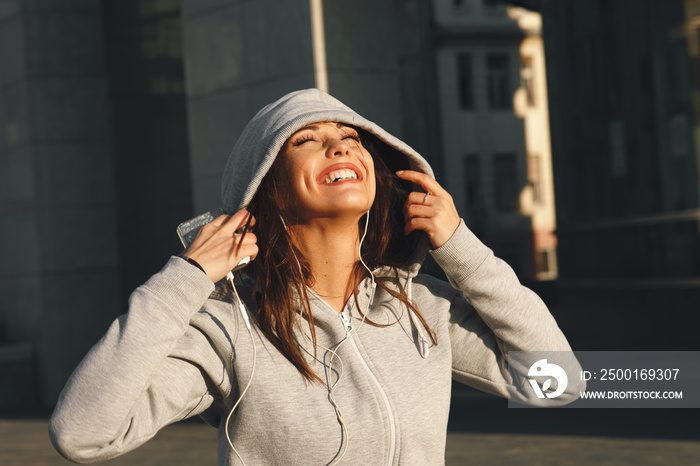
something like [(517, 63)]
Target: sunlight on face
[(331, 173)]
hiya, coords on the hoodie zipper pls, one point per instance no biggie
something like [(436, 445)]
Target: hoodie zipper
[(392, 427)]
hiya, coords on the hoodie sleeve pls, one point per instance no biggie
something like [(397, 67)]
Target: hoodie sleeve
[(492, 316), (130, 384)]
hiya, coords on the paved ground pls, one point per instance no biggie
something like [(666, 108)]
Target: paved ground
[(482, 431), (25, 443)]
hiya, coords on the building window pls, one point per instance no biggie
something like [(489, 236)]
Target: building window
[(473, 188), (498, 81), (505, 183), (546, 263), (465, 81), (526, 79), (534, 176)]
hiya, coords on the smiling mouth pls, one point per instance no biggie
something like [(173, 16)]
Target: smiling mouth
[(339, 173)]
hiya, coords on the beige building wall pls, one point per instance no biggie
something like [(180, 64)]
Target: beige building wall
[(531, 104)]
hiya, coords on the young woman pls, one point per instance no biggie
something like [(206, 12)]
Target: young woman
[(350, 353)]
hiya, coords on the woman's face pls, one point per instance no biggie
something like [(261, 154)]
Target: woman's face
[(330, 173)]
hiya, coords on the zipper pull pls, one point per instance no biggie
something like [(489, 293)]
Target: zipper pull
[(346, 321)]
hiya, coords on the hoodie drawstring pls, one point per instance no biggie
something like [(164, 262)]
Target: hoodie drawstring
[(423, 342)]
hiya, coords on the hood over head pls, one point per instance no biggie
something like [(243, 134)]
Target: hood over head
[(263, 138), (266, 133)]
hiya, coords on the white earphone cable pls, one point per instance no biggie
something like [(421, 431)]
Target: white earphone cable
[(244, 313)]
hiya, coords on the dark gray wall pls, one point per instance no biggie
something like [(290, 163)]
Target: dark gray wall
[(59, 277), (619, 74), (239, 57)]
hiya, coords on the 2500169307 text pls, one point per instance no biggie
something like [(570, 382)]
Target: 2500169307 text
[(632, 374)]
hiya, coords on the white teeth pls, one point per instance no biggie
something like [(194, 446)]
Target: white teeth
[(339, 175)]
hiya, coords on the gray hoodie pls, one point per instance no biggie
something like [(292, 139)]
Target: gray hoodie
[(183, 350)]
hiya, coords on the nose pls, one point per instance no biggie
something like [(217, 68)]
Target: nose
[(337, 147)]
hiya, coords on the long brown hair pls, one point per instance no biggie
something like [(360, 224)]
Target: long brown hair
[(282, 273)]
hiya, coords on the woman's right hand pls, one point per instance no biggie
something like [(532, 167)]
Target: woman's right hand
[(218, 248)]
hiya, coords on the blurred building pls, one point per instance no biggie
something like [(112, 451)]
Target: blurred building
[(495, 134), (623, 83)]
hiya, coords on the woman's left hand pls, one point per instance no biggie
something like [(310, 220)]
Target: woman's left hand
[(432, 211)]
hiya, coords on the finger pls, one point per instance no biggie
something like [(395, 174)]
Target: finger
[(417, 224), (419, 210), (423, 180), (419, 198), (247, 238), (247, 226), (243, 241), (236, 220), (220, 220), (422, 204), (248, 250)]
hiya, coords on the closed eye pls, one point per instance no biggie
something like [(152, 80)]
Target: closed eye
[(350, 133), (302, 139)]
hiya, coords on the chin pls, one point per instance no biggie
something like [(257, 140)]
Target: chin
[(339, 210), (335, 204)]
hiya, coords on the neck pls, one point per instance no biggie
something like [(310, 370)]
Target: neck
[(332, 251)]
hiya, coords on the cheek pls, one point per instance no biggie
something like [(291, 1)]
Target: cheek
[(299, 175), (372, 188), (373, 175)]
